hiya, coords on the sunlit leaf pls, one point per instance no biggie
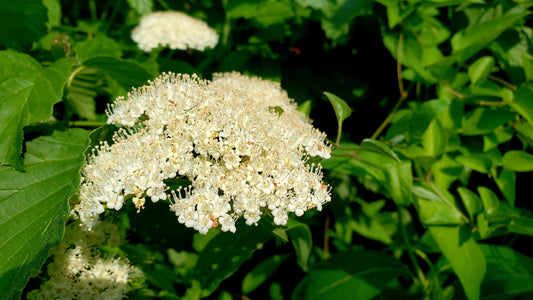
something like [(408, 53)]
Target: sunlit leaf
[(34, 204), (519, 161), (480, 69), (27, 93), (300, 236), (465, 257), (127, 73)]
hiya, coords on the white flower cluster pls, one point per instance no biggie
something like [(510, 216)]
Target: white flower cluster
[(80, 272), (175, 30), (239, 141)]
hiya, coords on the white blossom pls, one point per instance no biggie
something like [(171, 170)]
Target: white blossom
[(175, 30), (79, 271), (239, 141)]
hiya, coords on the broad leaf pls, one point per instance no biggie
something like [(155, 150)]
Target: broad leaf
[(489, 199), (22, 22), (142, 7), (27, 94), (261, 272), (506, 181), (225, 253), (399, 183), (483, 120), (379, 147), (101, 45), (360, 274), (34, 204), (523, 104), (471, 201), (475, 37), (518, 161), (465, 257), (434, 139), (127, 73), (509, 274), (480, 69), (300, 236)]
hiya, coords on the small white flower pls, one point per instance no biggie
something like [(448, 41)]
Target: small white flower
[(175, 30), (221, 136)]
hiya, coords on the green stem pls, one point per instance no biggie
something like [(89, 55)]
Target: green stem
[(421, 276), (73, 74), (92, 6), (88, 123), (226, 29)]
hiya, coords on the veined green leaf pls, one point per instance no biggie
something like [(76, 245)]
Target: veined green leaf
[(100, 45), (27, 94), (127, 73), (379, 147), (34, 204), (465, 257), (509, 274)]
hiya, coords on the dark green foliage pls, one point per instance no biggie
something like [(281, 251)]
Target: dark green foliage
[(430, 114)]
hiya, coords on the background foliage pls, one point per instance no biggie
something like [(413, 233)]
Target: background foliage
[(430, 172)]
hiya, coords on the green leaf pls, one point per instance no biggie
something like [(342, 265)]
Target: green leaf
[(27, 95), (519, 161), (509, 274), (434, 139), (142, 7), (265, 13), (523, 104), (300, 236), (342, 110), (54, 13), (34, 204), (476, 162), (359, 274), (305, 108), (433, 210), (465, 257), (261, 272), (480, 69), (506, 181), (101, 45), (127, 73), (475, 37), (225, 253), (399, 183), (379, 147), (483, 120), (22, 23), (183, 261), (471, 201), (491, 203)]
